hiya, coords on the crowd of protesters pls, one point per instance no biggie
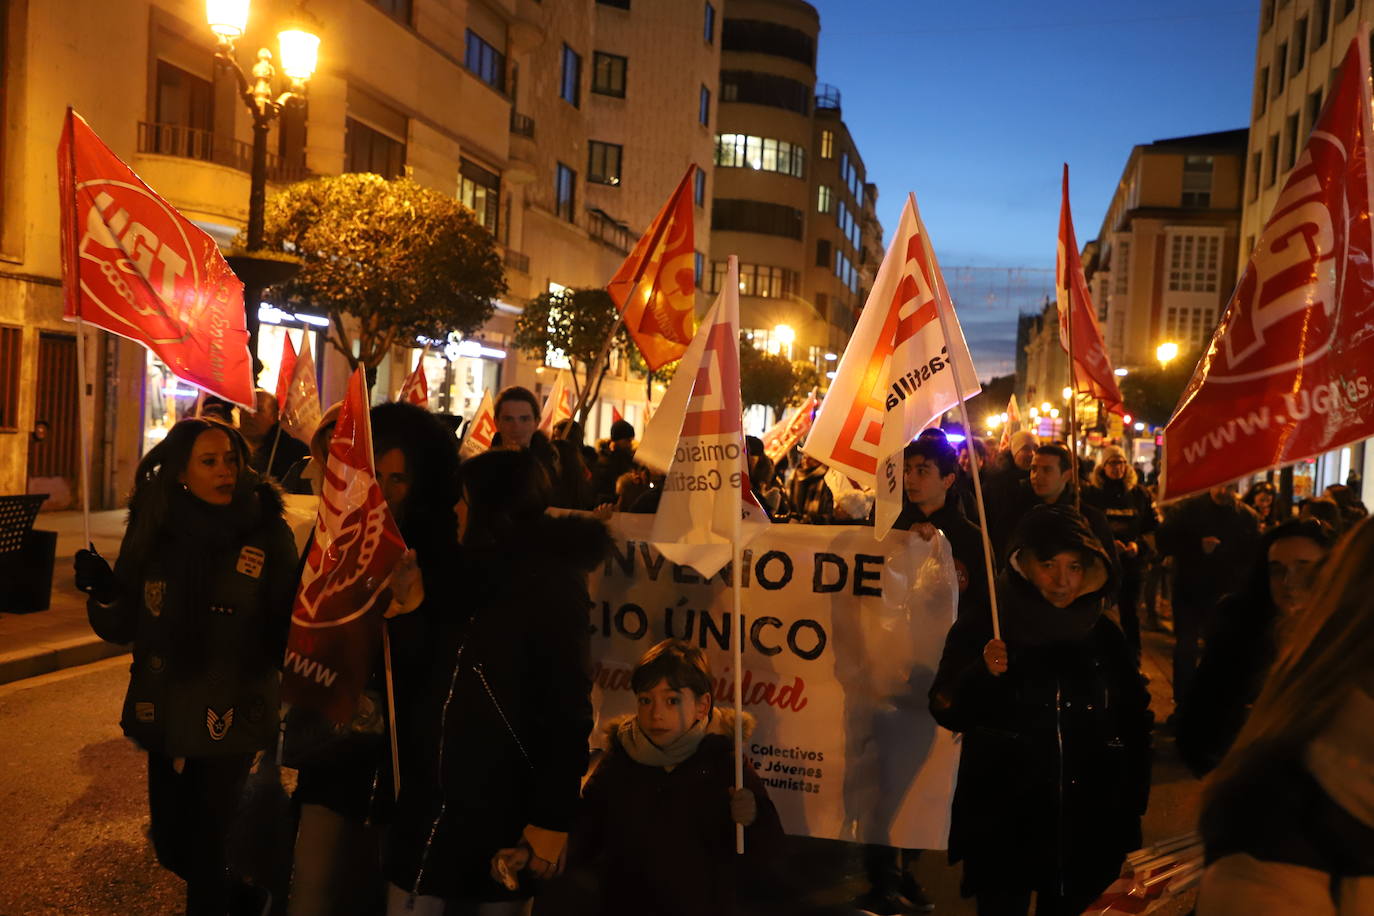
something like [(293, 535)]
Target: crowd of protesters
[(497, 812)]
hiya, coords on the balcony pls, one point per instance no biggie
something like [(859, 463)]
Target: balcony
[(609, 231), (189, 143), (827, 97), (517, 260), (521, 125)]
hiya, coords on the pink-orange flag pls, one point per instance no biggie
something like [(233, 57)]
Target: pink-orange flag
[(1092, 370), (336, 625), (415, 389)]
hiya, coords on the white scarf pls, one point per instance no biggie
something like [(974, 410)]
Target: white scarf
[(643, 750)]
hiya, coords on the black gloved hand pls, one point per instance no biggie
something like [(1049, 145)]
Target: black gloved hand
[(94, 576)]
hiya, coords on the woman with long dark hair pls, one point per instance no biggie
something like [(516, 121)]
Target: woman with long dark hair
[(1247, 629), (1288, 815), (506, 716), (203, 589)]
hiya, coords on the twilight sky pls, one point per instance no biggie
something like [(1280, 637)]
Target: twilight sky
[(974, 106)]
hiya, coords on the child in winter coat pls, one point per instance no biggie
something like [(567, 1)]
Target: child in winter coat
[(658, 815)]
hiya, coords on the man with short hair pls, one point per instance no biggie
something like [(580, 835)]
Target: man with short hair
[(1050, 483), (262, 430), (517, 418)]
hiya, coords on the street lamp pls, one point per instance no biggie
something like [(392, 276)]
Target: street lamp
[(299, 43), (1067, 392), (784, 336), (1165, 353)]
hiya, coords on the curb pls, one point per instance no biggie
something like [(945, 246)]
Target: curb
[(46, 658)]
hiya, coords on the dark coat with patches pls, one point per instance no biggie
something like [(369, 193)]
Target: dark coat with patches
[(207, 608)]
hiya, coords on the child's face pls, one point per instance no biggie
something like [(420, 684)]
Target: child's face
[(666, 713)]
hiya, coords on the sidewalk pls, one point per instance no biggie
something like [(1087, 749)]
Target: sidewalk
[(44, 641)]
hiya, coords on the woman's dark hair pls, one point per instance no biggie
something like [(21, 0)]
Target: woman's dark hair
[(506, 492), (156, 477), (938, 452), (1325, 510), (1257, 592), (516, 393), (679, 663), (1047, 531), (573, 489), (431, 453), (568, 429)]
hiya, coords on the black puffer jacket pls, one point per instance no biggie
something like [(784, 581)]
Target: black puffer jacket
[(1055, 769), (207, 606), (503, 720)]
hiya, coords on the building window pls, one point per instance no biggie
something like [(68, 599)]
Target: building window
[(608, 74), (1272, 173), (824, 198), (1321, 13), (822, 252), (733, 215), (1197, 181), (11, 355), (699, 189), (755, 88), (370, 150), (758, 280), (570, 89), (485, 62), (741, 151), (1280, 68), (1347, 7), (480, 191), (1194, 263), (709, 24), (183, 100), (1290, 141), (1262, 92), (1267, 16), (603, 162), (1314, 111), (704, 107), (565, 193), (1299, 45), (827, 144), (1121, 268), (755, 36), (1256, 163), (396, 9), (698, 267), (618, 4)]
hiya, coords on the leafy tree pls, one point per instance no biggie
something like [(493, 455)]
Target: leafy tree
[(1152, 394), (402, 259), (575, 322), (765, 378)]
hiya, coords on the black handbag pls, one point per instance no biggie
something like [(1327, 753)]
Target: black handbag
[(309, 738)]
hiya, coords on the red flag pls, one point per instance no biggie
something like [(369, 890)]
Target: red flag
[(301, 415), (1286, 376), (133, 265), (415, 389), (481, 429), (784, 434), (1092, 370), (661, 274), (285, 369), (345, 583), (616, 415), (1012, 426)]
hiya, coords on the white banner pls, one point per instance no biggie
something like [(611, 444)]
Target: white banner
[(844, 635)]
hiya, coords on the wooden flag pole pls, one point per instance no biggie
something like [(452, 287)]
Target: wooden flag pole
[(391, 709), (1073, 394), (84, 412), (737, 587), (276, 440), (968, 443)]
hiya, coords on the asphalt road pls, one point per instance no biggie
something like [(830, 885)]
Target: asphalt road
[(73, 811)]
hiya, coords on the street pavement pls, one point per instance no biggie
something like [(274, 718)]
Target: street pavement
[(73, 809)]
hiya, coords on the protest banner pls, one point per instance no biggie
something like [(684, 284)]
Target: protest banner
[(844, 634)]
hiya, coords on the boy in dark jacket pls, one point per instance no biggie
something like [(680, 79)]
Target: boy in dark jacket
[(662, 805)]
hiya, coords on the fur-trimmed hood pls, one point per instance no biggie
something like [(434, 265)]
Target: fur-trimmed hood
[(722, 723)]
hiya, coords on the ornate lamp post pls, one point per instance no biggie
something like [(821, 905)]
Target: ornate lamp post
[(300, 45)]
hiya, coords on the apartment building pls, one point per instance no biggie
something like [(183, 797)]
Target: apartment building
[(563, 126), (791, 196)]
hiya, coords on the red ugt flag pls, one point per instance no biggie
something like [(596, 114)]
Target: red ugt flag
[(133, 265), (1092, 370), (285, 370), (345, 584), (1286, 376), (415, 389)]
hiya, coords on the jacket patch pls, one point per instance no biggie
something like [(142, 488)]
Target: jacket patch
[(144, 712), (225, 609), (153, 590), (251, 560), (218, 724)]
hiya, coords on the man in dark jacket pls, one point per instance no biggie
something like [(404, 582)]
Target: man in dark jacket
[(613, 459), (1212, 538), (1050, 483)]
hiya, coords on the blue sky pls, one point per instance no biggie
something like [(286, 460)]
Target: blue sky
[(974, 107)]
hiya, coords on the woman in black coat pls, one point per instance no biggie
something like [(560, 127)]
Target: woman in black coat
[(203, 589), (1055, 768), (505, 715), (1244, 641), (1116, 491)]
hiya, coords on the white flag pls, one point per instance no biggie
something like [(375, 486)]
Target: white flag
[(480, 429), (558, 405), (893, 379), (696, 437), (301, 413)]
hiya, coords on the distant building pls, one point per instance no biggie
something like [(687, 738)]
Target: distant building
[(1164, 260)]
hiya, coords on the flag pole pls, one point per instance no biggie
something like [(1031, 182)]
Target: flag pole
[(272, 456), (737, 590), (83, 403), (968, 431), (605, 353), (391, 709), (1073, 397)]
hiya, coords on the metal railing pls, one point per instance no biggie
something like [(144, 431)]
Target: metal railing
[(608, 231), (521, 125), (207, 146), (517, 260), (827, 96)]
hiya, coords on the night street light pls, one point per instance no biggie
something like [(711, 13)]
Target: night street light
[(1165, 353), (784, 336), (1067, 392), (299, 43)]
